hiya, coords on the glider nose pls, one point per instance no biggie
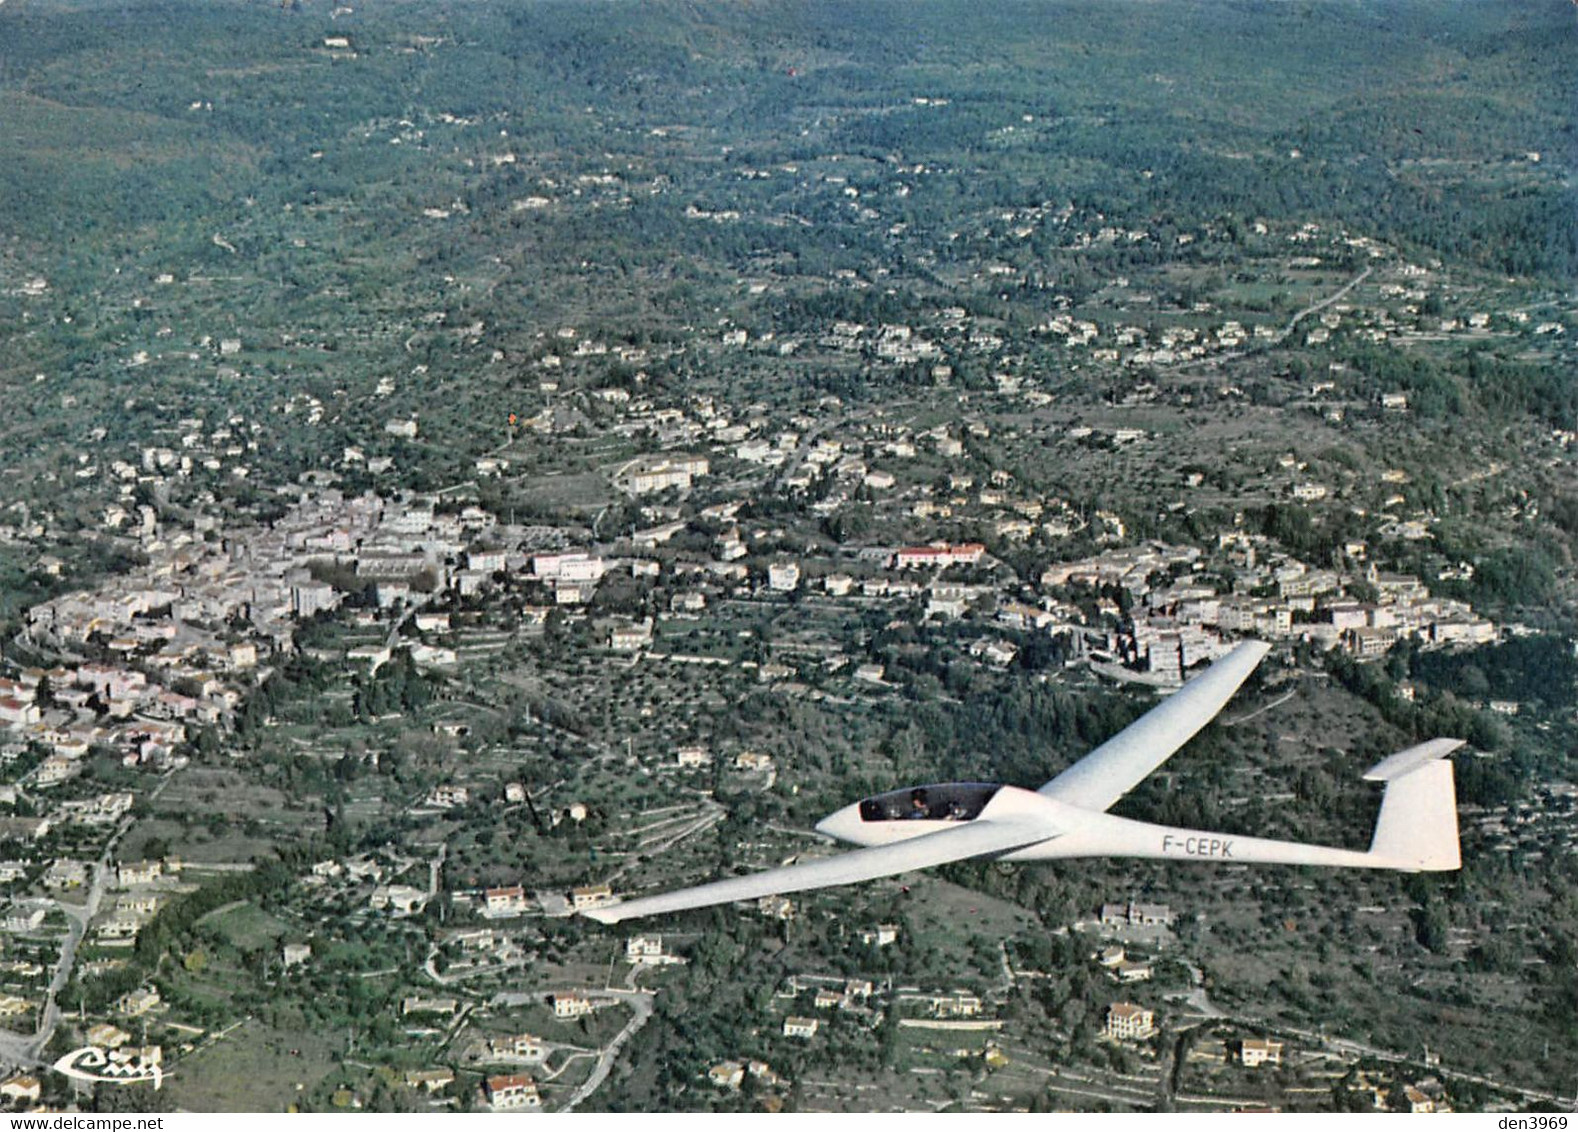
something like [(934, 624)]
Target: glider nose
[(843, 824)]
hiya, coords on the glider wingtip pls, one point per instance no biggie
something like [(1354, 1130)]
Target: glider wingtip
[(608, 915)]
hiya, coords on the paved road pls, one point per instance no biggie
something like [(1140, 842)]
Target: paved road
[(640, 1002), (21, 1049), (712, 815), (435, 867), (1326, 302), (1215, 360), (430, 967), (77, 924), (1258, 711)]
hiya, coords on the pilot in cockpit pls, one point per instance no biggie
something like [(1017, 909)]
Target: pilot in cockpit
[(919, 807)]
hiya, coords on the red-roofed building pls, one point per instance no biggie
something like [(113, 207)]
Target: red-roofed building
[(512, 1090)]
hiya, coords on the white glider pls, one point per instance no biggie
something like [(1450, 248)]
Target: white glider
[(922, 826)]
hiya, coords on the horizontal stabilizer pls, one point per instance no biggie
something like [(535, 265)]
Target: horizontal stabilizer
[(1396, 766)]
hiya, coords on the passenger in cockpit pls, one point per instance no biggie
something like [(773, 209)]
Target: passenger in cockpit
[(919, 807)]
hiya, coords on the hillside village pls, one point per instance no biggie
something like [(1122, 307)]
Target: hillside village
[(161, 664)]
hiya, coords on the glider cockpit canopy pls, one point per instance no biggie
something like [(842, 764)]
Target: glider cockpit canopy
[(945, 801)]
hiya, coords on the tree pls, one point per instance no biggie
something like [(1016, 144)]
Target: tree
[(1431, 926)]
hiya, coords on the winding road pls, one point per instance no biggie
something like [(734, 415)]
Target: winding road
[(640, 1003)]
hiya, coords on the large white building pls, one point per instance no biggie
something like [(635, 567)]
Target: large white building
[(1255, 1052), (571, 1006), (659, 473), (783, 576), (569, 566), (1128, 1022)]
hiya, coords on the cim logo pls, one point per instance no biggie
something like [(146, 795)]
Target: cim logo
[(128, 1066)]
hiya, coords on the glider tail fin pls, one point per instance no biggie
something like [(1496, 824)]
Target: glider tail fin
[(1417, 827), (1415, 833)]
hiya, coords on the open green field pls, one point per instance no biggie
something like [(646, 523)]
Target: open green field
[(253, 1068)]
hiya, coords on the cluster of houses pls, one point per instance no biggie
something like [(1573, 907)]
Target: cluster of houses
[(178, 642), (517, 1052), (140, 889), (372, 880), (1185, 605), (146, 886), (1179, 613), (695, 757), (1383, 1090), (830, 993), (69, 711)]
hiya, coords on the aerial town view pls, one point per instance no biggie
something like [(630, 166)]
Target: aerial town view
[(804, 556)]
